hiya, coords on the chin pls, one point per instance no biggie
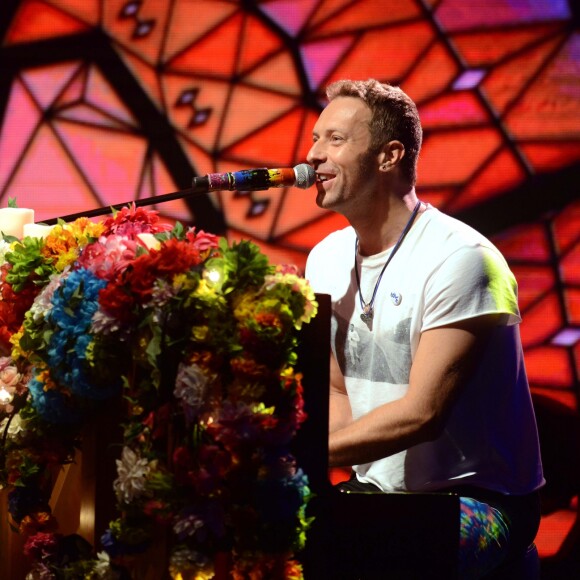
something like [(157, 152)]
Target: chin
[(322, 199)]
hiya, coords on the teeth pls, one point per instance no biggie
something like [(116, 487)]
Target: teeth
[(322, 178)]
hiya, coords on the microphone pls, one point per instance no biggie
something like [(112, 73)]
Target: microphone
[(302, 176)]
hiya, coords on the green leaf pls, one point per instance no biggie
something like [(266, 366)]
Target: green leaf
[(9, 239)]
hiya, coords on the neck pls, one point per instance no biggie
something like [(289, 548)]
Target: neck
[(382, 229)]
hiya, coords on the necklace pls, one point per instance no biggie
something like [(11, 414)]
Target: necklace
[(368, 307)]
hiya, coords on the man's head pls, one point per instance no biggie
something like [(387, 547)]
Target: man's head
[(394, 117)]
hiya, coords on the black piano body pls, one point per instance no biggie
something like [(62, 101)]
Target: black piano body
[(399, 536)]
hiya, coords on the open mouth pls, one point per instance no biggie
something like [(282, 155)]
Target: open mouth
[(322, 177)]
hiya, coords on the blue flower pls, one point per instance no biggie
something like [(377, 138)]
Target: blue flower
[(73, 306), (115, 547), (51, 405), (278, 500), (25, 500)]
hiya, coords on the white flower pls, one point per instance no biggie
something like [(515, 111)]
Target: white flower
[(185, 560), (191, 385), (103, 323), (16, 426), (4, 249), (43, 302), (132, 471), (39, 572), (187, 526), (103, 568)]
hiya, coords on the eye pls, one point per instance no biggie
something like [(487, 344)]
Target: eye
[(336, 138)]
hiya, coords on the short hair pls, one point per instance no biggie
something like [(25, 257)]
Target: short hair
[(394, 117)]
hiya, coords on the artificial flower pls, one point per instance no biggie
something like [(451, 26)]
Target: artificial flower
[(132, 473), (199, 336), (41, 546)]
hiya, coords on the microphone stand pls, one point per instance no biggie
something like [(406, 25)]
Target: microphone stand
[(182, 193)]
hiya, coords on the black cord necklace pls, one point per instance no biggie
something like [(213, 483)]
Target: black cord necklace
[(368, 307)]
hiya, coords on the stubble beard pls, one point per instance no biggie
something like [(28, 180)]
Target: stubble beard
[(342, 201)]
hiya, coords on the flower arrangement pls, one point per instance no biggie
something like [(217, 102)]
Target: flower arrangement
[(198, 337)]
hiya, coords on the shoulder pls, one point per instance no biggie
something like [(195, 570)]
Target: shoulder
[(468, 276), (451, 239), (335, 244), (447, 228), (330, 255)]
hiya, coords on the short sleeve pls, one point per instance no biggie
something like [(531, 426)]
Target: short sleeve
[(473, 281)]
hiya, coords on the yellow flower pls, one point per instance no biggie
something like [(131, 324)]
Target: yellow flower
[(17, 351), (261, 409), (245, 307), (63, 243), (200, 332), (180, 282), (204, 289), (83, 229)]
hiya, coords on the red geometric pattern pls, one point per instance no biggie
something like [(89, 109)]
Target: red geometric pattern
[(106, 102)]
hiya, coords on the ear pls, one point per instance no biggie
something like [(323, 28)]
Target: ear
[(391, 155)]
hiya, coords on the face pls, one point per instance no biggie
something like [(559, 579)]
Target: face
[(346, 168)]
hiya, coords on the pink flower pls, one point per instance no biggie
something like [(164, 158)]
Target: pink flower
[(287, 269), (9, 377), (202, 241), (108, 256), (131, 221), (11, 382), (41, 546)]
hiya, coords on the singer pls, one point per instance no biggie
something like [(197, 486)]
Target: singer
[(428, 386)]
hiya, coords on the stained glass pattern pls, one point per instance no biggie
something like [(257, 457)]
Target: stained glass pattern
[(105, 101)]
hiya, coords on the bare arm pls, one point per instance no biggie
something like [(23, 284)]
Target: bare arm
[(340, 414), (443, 360)]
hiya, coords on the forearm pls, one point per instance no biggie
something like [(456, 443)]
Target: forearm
[(391, 428), (442, 363), (339, 412)]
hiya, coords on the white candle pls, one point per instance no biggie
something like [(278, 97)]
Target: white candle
[(36, 230), (12, 220)]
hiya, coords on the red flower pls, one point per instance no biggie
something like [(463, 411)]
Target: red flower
[(214, 465), (37, 521), (117, 302), (159, 510), (13, 306), (158, 421), (173, 257)]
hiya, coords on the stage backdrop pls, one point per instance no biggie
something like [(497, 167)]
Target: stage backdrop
[(107, 101)]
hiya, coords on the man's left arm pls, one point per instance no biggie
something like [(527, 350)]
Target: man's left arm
[(445, 356)]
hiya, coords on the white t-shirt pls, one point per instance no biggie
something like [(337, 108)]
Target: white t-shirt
[(443, 272)]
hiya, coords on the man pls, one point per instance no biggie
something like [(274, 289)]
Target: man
[(428, 386)]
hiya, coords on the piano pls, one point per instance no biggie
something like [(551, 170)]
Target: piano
[(364, 536)]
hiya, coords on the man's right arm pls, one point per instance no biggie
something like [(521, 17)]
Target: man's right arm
[(339, 413)]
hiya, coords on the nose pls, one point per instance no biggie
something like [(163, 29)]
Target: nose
[(316, 154)]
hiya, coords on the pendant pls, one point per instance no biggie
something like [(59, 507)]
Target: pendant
[(367, 313)]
